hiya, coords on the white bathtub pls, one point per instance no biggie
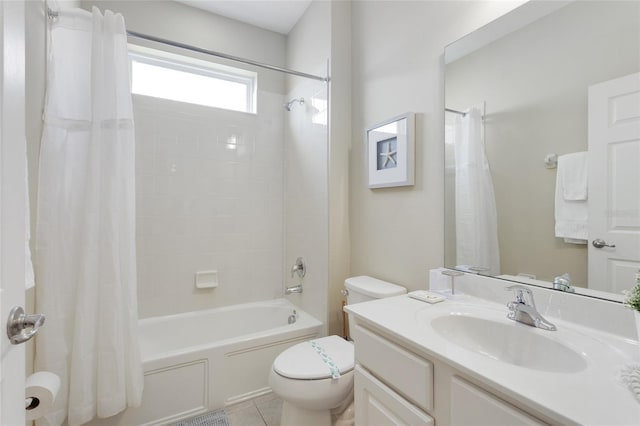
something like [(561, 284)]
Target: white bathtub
[(200, 361)]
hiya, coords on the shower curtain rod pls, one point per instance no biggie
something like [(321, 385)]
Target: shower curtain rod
[(54, 14), (455, 111), (224, 55)]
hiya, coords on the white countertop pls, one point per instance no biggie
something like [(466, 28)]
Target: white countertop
[(592, 396)]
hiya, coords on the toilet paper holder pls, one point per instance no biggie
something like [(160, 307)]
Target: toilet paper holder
[(41, 389), (31, 402)]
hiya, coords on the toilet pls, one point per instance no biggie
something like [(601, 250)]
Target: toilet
[(315, 378)]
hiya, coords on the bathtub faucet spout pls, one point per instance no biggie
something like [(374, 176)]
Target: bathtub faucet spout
[(294, 289)]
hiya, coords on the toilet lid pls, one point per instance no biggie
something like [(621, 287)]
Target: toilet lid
[(305, 361)]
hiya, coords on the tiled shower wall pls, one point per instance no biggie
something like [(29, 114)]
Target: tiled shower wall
[(306, 195), (209, 194)]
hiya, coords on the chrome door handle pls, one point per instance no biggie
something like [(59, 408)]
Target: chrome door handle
[(21, 327), (598, 243)]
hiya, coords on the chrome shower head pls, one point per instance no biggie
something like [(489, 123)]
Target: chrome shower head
[(288, 105)]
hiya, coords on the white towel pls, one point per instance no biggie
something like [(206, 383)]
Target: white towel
[(572, 170), (572, 214)]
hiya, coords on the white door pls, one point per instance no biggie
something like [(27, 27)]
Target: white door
[(12, 215), (614, 183)]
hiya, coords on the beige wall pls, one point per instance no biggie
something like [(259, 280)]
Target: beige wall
[(309, 42), (340, 144), (397, 233), (536, 104)]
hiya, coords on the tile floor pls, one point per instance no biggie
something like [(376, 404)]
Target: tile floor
[(261, 411)]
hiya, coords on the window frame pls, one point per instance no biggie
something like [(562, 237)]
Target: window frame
[(200, 67)]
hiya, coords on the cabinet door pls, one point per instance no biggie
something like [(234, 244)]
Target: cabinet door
[(378, 405), (472, 406)]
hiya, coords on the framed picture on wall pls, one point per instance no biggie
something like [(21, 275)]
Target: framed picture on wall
[(390, 147)]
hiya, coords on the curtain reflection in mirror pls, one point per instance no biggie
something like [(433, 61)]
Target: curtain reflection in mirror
[(475, 203)]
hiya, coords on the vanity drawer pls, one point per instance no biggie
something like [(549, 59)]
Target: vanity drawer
[(408, 374), (472, 406), (377, 404)]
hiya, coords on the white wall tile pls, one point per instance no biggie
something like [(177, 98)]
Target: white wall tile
[(204, 206)]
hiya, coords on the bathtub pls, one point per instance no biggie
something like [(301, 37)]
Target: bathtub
[(200, 361)]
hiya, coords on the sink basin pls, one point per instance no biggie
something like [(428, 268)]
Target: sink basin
[(513, 343)]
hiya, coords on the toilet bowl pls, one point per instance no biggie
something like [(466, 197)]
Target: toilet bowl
[(315, 378), (310, 390)]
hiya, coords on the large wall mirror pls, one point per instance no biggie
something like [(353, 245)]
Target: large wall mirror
[(542, 147)]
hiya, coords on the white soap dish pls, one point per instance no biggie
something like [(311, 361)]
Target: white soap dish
[(206, 279)]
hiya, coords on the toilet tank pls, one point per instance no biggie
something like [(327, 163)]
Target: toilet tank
[(363, 288)]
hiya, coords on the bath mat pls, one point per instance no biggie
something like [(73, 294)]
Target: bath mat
[(213, 418)]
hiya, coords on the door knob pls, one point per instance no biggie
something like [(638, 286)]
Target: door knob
[(21, 327), (598, 243)]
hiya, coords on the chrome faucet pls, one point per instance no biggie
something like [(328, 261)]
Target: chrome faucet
[(299, 268), (523, 309), (452, 274), (294, 289), (563, 283)]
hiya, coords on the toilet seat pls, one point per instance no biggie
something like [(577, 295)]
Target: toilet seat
[(303, 362)]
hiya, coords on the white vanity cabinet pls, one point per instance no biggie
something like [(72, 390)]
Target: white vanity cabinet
[(394, 386)]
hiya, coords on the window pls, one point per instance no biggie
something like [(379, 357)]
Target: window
[(185, 79)]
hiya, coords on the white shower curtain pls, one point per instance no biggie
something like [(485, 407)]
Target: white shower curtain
[(476, 216), (85, 233)]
